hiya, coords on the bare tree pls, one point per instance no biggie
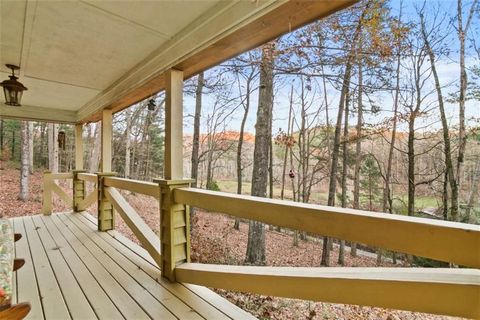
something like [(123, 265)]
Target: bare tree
[(25, 160), (462, 31), (30, 147), (94, 160), (246, 75), (341, 252), (256, 232), (431, 40), (52, 147), (196, 127), (332, 189)]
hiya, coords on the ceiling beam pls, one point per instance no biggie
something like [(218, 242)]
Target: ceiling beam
[(32, 113), (227, 30)]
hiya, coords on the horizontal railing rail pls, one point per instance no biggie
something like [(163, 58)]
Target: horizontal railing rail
[(142, 187), (50, 187), (89, 177), (454, 292), (453, 242), (61, 176)]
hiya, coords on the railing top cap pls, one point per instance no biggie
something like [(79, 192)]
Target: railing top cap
[(106, 173), (173, 182)]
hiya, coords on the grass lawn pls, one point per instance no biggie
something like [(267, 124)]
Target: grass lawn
[(321, 197), (231, 186)]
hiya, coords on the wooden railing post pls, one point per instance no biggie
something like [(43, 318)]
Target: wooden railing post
[(79, 146), (106, 215), (174, 227), (79, 190), (47, 193)]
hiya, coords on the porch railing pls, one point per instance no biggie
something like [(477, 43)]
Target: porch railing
[(149, 240), (454, 291), (50, 187)]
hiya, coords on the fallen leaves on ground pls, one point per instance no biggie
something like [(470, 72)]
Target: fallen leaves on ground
[(215, 241)]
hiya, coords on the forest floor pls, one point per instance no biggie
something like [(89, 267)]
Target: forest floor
[(215, 241)]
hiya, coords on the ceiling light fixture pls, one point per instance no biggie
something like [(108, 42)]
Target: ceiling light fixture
[(13, 89)]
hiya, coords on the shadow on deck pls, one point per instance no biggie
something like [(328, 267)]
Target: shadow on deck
[(72, 271)]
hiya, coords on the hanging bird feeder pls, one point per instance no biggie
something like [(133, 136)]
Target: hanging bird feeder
[(291, 174), (61, 140), (151, 105)]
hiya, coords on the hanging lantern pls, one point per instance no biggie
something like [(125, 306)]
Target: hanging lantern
[(13, 89), (61, 140)]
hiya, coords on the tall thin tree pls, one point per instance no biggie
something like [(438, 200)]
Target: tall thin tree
[(256, 232)]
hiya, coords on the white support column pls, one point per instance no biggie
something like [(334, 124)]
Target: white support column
[(174, 125), (174, 217), (78, 146), (106, 140)]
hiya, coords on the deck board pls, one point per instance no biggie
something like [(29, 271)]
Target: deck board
[(138, 293), (171, 302), (50, 292), (75, 300), (115, 291), (26, 284), (98, 298), (196, 302), (72, 271)]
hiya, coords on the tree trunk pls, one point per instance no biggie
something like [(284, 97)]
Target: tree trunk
[(95, 159), (30, 147), (358, 152), (336, 140), (24, 160), (42, 154), (335, 153), (196, 128), (446, 135), (13, 145), (128, 123), (256, 232), (287, 149), (341, 252), (461, 30), (1, 138), (411, 167), (209, 166), (474, 188), (445, 196), (52, 148), (240, 146), (270, 165)]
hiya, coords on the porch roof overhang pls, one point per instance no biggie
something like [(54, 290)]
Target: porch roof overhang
[(80, 57)]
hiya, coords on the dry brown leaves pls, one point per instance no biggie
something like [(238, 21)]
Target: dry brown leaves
[(11, 206), (215, 241)]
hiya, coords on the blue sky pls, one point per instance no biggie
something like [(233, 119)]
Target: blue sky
[(448, 69)]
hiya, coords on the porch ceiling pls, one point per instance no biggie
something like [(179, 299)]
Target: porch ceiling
[(78, 57)]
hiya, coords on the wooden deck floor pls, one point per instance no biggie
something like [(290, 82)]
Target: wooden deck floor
[(74, 272)]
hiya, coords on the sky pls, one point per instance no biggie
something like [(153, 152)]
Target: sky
[(448, 69)]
